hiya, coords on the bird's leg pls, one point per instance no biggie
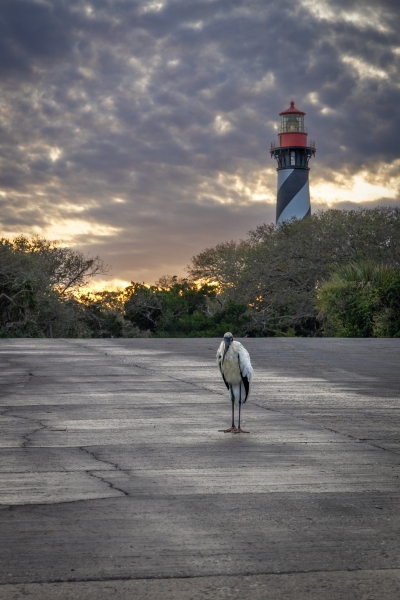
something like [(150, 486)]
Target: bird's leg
[(232, 429), (238, 430)]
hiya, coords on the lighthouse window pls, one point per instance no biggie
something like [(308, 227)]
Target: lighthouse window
[(292, 158), (292, 123)]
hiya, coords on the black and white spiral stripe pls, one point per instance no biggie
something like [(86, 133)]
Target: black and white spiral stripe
[(293, 195)]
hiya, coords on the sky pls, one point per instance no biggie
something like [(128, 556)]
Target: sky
[(139, 130)]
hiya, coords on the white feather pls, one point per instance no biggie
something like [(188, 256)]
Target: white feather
[(244, 361), (236, 364)]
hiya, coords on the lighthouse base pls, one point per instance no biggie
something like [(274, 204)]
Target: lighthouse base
[(293, 198)]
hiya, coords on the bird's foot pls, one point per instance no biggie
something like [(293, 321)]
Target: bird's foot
[(238, 430), (230, 430)]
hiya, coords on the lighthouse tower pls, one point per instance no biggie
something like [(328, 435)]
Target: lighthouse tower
[(292, 153)]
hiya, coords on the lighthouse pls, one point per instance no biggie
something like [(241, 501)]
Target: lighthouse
[(292, 153)]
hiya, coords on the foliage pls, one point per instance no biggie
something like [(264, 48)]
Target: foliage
[(104, 314), (65, 268), (361, 300), (276, 270), (179, 308)]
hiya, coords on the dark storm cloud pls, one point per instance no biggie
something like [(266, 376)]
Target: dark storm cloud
[(149, 122)]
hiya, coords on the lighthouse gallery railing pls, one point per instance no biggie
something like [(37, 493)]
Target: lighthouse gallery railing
[(277, 144)]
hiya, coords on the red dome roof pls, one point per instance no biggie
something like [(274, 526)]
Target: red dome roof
[(292, 110)]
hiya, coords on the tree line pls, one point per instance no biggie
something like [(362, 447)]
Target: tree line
[(336, 273)]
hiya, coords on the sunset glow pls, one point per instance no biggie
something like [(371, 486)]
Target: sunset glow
[(140, 132)]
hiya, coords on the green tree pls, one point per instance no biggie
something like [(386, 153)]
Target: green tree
[(361, 300), (276, 271)]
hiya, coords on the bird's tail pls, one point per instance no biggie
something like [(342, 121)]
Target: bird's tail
[(239, 392)]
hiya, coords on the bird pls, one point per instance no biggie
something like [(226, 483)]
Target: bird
[(236, 370)]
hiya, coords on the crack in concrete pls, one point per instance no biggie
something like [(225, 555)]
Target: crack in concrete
[(7, 388), (106, 462), (222, 393), (24, 436), (110, 485), (93, 454)]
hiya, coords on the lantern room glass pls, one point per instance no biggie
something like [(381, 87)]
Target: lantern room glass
[(292, 123)]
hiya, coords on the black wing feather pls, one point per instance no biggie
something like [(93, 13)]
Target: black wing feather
[(226, 383), (246, 384), (245, 380)]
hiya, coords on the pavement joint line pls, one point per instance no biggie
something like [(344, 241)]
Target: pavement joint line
[(304, 420), (203, 575), (146, 368), (348, 435), (43, 505), (369, 443)]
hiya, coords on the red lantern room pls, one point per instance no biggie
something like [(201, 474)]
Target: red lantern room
[(292, 131)]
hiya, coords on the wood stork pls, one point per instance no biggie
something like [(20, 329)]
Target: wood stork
[(236, 370)]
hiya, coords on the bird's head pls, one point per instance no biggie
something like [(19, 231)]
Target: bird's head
[(228, 339)]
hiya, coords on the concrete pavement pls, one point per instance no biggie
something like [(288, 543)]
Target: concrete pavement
[(114, 479)]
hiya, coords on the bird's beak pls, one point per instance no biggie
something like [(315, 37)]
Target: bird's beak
[(227, 344)]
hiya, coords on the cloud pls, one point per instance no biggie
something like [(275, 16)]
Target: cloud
[(140, 130)]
